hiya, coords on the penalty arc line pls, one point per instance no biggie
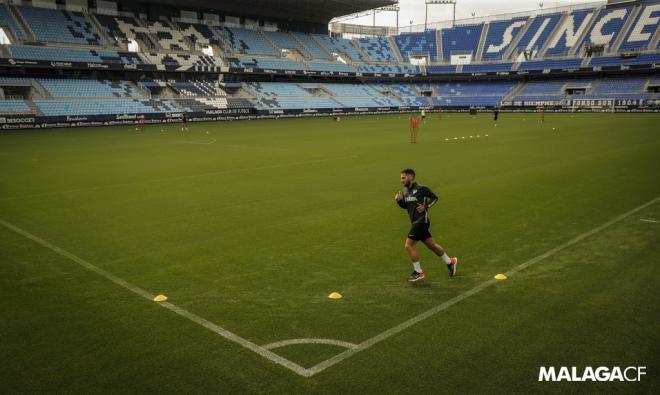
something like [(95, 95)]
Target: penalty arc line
[(473, 291), (172, 307)]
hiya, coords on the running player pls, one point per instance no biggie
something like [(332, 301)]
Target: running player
[(423, 114), (496, 114), (418, 199)]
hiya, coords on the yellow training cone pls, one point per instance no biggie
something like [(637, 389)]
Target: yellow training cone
[(160, 298), (500, 277), (335, 295)]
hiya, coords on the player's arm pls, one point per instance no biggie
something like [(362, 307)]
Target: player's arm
[(430, 198), (399, 199)]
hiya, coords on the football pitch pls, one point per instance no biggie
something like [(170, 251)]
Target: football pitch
[(247, 226)]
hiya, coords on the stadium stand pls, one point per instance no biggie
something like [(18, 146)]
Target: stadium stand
[(461, 40), (377, 48), (67, 40), (539, 32), (28, 52), (7, 20), (606, 27), (60, 26), (645, 25), (417, 44), (499, 36), (569, 31), (13, 106)]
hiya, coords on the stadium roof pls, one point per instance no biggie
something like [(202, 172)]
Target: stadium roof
[(314, 11)]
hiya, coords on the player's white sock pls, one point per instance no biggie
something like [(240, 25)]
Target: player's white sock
[(417, 266), (446, 258)]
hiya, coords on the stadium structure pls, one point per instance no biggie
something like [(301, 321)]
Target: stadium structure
[(85, 62), (102, 62)]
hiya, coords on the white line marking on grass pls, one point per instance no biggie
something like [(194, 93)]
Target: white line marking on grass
[(197, 142), (174, 308), (650, 220), (473, 291), (290, 342), (215, 173)]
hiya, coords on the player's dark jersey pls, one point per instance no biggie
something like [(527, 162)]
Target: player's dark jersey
[(496, 114), (413, 196)]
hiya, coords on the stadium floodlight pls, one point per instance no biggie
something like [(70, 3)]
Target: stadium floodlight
[(439, 2)]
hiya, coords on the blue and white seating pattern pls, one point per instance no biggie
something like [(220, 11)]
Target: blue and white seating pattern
[(418, 44), (569, 31), (642, 30), (339, 46), (60, 26), (87, 88), (377, 48), (499, 36), (607, 26), (539, 32), (246, 41)]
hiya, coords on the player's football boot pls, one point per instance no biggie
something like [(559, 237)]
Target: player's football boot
[(451, 266), (416, 276)]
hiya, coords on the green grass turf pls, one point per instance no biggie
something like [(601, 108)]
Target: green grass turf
[(254, 223)]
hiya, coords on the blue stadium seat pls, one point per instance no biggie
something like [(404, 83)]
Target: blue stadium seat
[(538, 32), (59, 26), (497, 41), (564, 41), (641, 31), (461, 40), (417, 44), (6, 19), (377, 48)]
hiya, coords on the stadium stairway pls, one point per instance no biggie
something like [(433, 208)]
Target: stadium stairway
[(21, 22), (625, 29), (510, 51), (514, 92), (104, 35), (359, 49), (438, 40), (555, 31), (395, 49), (654, 41), (482, 40), (269, 41), (33, 107), (578, 43)]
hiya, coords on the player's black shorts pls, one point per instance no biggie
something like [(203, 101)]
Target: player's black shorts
[(420, 231)]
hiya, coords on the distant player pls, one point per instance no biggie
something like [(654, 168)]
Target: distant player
[(184, 122), (418, 199), (496, 114), (423, 114), (140, 123), (542, 114)]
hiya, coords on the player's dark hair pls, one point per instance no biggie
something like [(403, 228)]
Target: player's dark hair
[(408, 171)]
